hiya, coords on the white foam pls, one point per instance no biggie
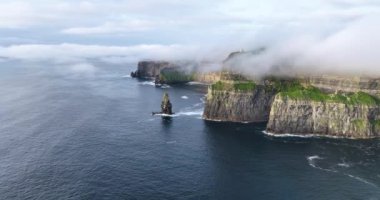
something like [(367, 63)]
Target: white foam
[(312, 162), (343, 164), (361, 180), (195, 83), (190, 113), (126, 76), (165, 86), (164, 115), (302, 135), (171, 142), (185, 97), (151, 83)]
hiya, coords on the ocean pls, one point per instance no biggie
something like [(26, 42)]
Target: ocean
[(88, 133)]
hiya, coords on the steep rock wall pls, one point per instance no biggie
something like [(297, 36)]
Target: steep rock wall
[(149, 69), (323, 118), (238, 106)]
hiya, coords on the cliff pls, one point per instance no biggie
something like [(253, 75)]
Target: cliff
[(291, 107), (150, 69), (238, 101), (329, 118), (172, 72), (334, 84)]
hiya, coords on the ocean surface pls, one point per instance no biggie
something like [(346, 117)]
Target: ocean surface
[(86, 132)]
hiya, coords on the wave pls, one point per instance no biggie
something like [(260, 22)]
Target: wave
[(361, 180), (164, 86), (151, 83), (312, 162), (164, 115), (184, 97), (195, 83), (304, 135), (344, 164), (190, 113), (126, 76)]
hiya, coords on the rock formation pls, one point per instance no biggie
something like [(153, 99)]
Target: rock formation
[(166, 106), (327, 118), (165, 72), (150, 69), (240, 103), (295, 107)]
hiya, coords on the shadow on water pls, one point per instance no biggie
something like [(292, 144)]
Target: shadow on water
[(166, 122)]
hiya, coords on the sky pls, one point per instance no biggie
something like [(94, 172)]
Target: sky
[(131, 30)]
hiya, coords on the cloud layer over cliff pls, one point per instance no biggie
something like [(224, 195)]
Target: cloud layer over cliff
[(312, 37)]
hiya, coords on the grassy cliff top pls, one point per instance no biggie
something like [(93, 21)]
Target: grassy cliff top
[(240, 86), (294, 90)]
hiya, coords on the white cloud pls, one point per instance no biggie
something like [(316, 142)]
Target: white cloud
[(322, 31), (113, 27), (77, 52)]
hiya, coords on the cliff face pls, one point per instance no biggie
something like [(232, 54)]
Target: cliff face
[(149, 69), (174, 72), (238, 106), (207, 77), (323, 118)]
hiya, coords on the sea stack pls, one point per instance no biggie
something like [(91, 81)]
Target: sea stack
[(166, 106)]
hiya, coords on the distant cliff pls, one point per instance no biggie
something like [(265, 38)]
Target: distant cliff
[(166, 72), (149, 69)]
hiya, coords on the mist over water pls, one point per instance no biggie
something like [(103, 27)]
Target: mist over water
[(88, 133)]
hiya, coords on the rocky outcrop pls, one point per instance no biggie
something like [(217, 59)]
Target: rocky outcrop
[(323, 118), (166, 106), (150, 69), (165, 72), (248, 105)]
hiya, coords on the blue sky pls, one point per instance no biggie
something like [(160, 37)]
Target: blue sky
[(136, 29)]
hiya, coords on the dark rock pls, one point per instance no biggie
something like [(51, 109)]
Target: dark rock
[(166, 106)]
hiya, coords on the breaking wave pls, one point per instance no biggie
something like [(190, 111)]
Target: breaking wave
[(195, 83), (302, 135), (312, 160), (151, 83)]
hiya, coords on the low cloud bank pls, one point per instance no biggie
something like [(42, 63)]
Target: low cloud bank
[(352, 50)]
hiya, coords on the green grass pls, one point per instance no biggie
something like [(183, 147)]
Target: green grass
[(376, 124), (294, 90), (176, 76), (359, 123), (234, 86)]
